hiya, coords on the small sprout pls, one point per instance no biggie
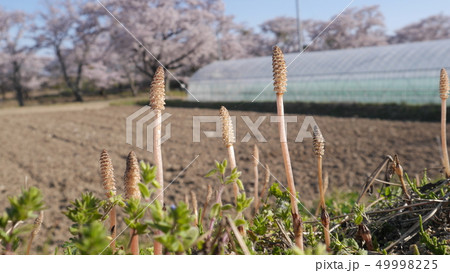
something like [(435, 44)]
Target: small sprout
[(36, 229)]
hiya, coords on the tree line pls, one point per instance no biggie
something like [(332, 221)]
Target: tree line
[(74, 44)]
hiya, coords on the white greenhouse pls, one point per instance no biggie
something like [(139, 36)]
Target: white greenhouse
[(404, 73)]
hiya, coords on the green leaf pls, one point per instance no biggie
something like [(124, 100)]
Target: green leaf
[(211, 173), (239, 183), (224, 163), (217, 164), (275, 190), (144, 190), (92, 240), (190, 237), (215, 210), (222, 167), (227, 207), (359, 219), (240, 222), (156, 184), (141, 228)]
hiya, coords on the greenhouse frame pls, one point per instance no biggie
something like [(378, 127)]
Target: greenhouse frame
[(403, 73)]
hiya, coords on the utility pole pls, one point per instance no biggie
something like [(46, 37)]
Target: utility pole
[(299, 26)]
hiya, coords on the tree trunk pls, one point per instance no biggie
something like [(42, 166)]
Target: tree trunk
[(19, 96), (74, 87), (3, 93), (134, 90), (77, 90), (132, 82), (78, 94), (17, 83)]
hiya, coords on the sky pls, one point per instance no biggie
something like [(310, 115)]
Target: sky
[(398, 13)]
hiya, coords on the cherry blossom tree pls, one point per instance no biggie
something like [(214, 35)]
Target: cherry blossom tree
[(236, 41), (181, 35), (72, 29), (356, 27), (15, 53), (283, 32), (434, 27)]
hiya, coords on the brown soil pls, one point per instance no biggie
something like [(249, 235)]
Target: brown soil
[(58, 150)]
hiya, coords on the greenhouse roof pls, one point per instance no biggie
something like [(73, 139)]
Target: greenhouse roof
[(395, 73)]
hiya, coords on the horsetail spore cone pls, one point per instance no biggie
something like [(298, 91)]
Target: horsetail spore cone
[(132, 178), (279, 84), (443, 90), (38, 223), (443, 84), (157, 102), (227, 127), (279, 71), (109, 184), (157, 87), (107, 174), (228, 139), (36, 229), (319, 142), (319, 151)]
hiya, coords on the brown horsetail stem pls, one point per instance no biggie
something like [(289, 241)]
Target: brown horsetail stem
[(109, 184), (266, 184), (319, 151), (36, 228), (207, 200), (194, 206), (280, 83), (255, 168), (157, 102), (399, 172), (132, 178), (364, 233), (228, 140), (186, 200), (443, 90)]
